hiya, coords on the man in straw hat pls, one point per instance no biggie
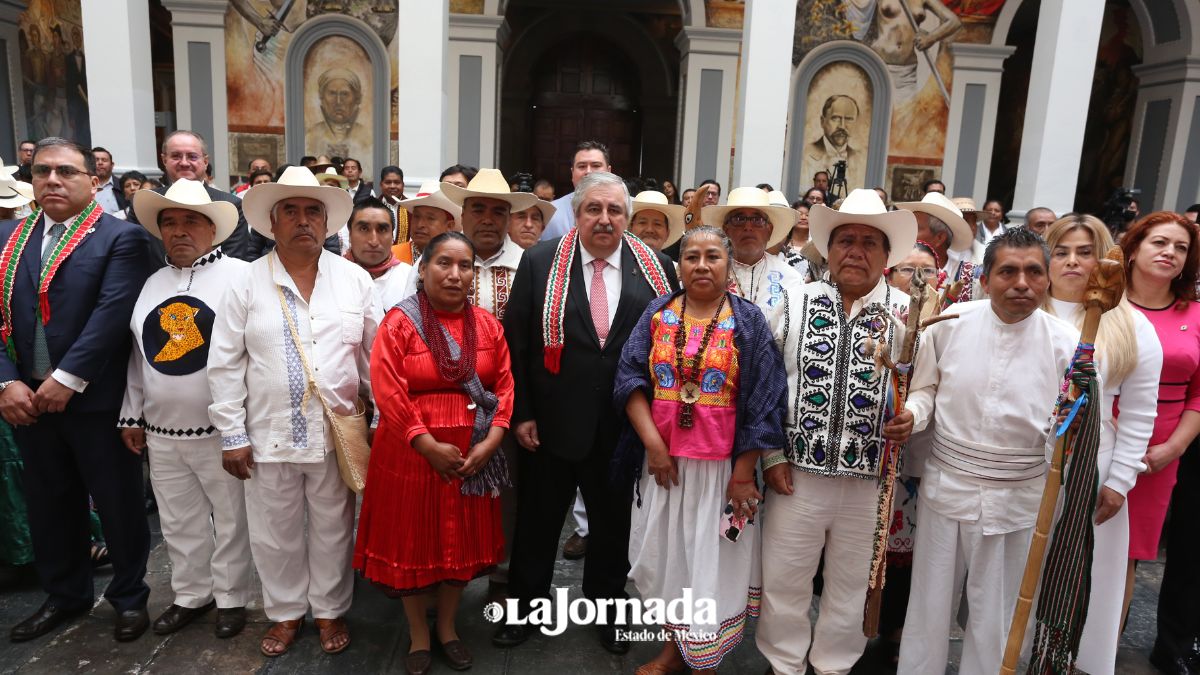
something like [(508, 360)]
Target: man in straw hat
[(60, 386), (166, 407), (15, 195), (827, 475), (752, 223), (574, 304), (302, 314), (486, 204), (430, 213), (526, 227), (941, 226), (656, 221), (989, 379)]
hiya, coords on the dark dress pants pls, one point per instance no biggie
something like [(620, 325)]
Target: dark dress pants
[(67, 457), (1179, 596), (545, 494)]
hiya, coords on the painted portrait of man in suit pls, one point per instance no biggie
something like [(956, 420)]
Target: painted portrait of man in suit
[(839, 120)]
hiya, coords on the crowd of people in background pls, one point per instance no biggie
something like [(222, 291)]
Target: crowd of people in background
[(705, 379)]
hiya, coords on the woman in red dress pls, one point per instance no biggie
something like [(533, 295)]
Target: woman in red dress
[(430, 519)]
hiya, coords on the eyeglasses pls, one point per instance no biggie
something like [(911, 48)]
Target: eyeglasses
[(64, 171), (756, 220), (926, 272), (189, 156)]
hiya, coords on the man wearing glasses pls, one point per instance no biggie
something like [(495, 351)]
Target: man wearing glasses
[(185, 155), (61, 387), (752, 223)]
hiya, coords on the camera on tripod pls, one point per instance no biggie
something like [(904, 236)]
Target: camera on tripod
[(1120, 210), (837, 182)]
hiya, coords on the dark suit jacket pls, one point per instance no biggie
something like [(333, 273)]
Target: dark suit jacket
[(91, 299), (575, 406), (237, 245), (361, 192)]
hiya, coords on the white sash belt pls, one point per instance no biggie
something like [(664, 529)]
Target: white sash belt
[(986, 462)]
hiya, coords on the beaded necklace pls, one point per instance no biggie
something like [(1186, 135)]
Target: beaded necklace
[(449, 369), (689, 389), (753, 294)]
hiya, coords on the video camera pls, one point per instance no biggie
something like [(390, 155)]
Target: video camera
[(1118, 211)]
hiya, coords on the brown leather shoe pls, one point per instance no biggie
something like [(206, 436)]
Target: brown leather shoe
[(418, 663), (177, 616), (457, 656), (281, 635), (575, 547)]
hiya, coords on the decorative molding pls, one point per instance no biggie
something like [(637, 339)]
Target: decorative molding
[(718, 41), (309, 34), (982, 58), (1167, 72)]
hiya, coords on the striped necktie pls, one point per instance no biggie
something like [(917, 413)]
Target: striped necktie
[(41, 351)]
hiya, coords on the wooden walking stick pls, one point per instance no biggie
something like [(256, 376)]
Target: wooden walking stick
[(1105, 287), (691, 217), (924, 304)]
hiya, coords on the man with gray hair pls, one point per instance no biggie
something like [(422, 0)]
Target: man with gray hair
[(339, 133), (941, 225), (1038, 220), (574, 302)]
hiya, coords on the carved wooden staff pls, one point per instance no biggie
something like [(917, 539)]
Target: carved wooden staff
[(691, 217), (924, 304), (1105, 287)]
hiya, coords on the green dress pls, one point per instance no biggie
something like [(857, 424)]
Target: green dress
[(16, 547)]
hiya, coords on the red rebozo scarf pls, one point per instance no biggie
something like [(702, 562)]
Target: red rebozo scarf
[(560, 279), (378, 270), (10, 260)]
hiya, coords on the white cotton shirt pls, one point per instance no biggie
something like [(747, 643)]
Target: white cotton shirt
[(992, 384), (167, 392), (392, 285), (256, 377), (1128, 436), (766, 282), (611, 275)]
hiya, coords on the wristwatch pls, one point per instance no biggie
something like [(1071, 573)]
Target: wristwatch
[(4, 385)]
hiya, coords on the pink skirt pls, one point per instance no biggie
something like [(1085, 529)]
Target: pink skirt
[(1148, 501)]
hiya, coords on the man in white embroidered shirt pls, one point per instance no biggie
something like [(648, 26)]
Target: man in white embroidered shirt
[(166, 406), (297, 331), (989, 379)]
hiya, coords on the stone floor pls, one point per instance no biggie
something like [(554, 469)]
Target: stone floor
[(380, 638)]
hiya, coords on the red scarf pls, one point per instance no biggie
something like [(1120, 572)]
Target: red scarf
[(378, 270)]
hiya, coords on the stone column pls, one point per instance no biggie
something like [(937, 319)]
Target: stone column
[(765, 81), (966, 165), (1162, 162), (1060, 86), (422, 36), (116, 40), (472, 86), (708, 82), (198, 33)]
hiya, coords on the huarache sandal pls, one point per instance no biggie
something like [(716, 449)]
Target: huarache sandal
[(280, 636), (331, 630), (100, 556)]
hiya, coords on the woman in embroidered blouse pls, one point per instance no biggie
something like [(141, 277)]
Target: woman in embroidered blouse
[(430, 519), (1162, 256), (1130, 357), (703, 387)]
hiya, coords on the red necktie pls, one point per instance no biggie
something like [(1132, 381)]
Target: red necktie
[(599, 300)]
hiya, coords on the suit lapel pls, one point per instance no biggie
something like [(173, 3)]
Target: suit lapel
[(579, 296)]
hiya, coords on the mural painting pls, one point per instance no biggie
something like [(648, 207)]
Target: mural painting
[(54, 70), (257, 36), (837, 123)]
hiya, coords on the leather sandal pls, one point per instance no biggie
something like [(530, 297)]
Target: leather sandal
[(330, 629), (282, 633)]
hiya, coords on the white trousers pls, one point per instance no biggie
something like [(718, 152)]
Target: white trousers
[(580, 513), (945, 550), (1110, 564), (202, 510), (302, 534), (836, 515)]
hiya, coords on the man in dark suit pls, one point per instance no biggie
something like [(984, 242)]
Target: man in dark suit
[(563, 413), (61, 387), (185, 155)]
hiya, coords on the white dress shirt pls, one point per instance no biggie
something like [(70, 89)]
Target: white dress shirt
[(611, 274), (563, 219), (255, 373), (392, 285), (106, 196), (72, 382), (766, 282), (992, 385)]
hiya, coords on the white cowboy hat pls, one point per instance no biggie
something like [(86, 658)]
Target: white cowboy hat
[(13, 193), (782, 218), (653, 200), (431, 194), (777, 198), (489, 183), (939, 206), (185, 194), (545, 207), (967, 205), (864, 207), (296, 181), (331, 174)]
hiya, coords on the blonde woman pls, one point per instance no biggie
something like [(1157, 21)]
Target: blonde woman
[(1130, 360)]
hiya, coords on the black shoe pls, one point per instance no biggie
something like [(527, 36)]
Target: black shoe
[(610, 641), (511, 636), (177, 617), (48, 617), (230, 621), (1171, 664), (131, 624)]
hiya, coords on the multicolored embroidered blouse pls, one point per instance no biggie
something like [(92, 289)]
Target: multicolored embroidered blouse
[(715, 414)]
